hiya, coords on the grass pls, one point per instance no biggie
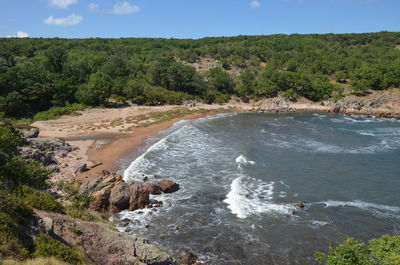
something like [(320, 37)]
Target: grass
[(37, 261), (146, 120), (56, 112)]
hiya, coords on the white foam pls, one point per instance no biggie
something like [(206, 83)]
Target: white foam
[(135, 168), (379, 209), (242, 160), (249, 196)]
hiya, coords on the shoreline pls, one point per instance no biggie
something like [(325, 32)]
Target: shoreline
[(103, 138)]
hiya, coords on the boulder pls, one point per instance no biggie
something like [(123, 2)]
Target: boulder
[(32, 133), (186, 257), (153, 189), (81, 168), (140, 197), (168, 186), (119, 197), (101, 199)]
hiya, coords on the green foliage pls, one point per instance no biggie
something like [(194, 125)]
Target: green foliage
[(36, 261), (97, 90), (38, 200), (45, 246), (37, 74), (380, 251), (56, 112)]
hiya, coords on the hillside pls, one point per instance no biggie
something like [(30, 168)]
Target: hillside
[(38, 74)]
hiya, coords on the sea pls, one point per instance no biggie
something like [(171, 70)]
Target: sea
[(241, 176)]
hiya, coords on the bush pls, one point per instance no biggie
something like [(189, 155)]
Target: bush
[(38, 200), (380, 251), (45, 246), (56, 112)]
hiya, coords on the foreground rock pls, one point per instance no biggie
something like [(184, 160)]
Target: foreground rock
[(101, 244), (112, 194)]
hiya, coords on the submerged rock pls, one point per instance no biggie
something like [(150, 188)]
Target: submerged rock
[(186, 257)]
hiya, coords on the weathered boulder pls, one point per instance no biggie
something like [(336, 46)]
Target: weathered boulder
[(120, 197), (81, 168), (101, 199), (32, 133), (186, 257), (153, 189), (168, 186), (140, 197)]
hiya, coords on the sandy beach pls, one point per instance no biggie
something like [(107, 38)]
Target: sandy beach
[(104, 135)]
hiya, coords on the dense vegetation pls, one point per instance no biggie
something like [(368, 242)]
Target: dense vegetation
[(380, 251), (21, 185), (38, 74)]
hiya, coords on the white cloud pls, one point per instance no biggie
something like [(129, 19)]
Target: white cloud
[(64, 21), (62, 3), (20, 34), (94, 7), (121, 8), (255, 4)]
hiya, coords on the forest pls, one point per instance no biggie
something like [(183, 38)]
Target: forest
[(67, 74)]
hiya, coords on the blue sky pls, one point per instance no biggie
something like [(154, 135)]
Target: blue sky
[(193, 18)]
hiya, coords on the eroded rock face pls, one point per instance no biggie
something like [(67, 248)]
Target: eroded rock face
[(168, 186), (120, 197), (112, 194), (153, 189), (102, 245), (140, 197)]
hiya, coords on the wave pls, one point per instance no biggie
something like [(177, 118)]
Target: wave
[(242, 160), (136, 167), (378, 209), (249, 196)]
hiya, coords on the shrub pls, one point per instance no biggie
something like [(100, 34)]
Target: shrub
[(56, 112), (47, 247), (380, 251), (39, 200)]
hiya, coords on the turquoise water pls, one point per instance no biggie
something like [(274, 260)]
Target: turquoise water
[(242, 174)]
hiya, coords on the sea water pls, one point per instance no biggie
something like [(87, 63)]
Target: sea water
[(242, 174)]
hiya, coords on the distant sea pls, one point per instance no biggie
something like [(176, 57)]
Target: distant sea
[(242, 174)]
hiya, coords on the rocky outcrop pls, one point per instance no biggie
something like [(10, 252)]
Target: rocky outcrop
[(101, 244), (112, 194), (32, 133), (186, 257), (168, 186)]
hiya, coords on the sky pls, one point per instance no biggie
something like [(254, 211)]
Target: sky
[(193, 18)]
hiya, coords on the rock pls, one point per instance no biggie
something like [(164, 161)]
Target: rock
[(101, 199), (168, 186), (51, 144), (81, 168), (48, 224), (101, 244), (140, 197), (119, 197), (153, 189), (32, 133), (186, 257), (300, 206)]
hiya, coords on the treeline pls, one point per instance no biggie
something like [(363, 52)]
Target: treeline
[(38, 74)]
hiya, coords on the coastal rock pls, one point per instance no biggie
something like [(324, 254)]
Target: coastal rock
[(101, 199), (119, 197), (168, 186), (153, 189), (140, 197), (186, 257), (101, 244)]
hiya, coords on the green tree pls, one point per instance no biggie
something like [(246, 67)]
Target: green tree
[(97, 91)]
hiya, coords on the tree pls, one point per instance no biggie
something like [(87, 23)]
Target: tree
[(221, 80), (97, 91)]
